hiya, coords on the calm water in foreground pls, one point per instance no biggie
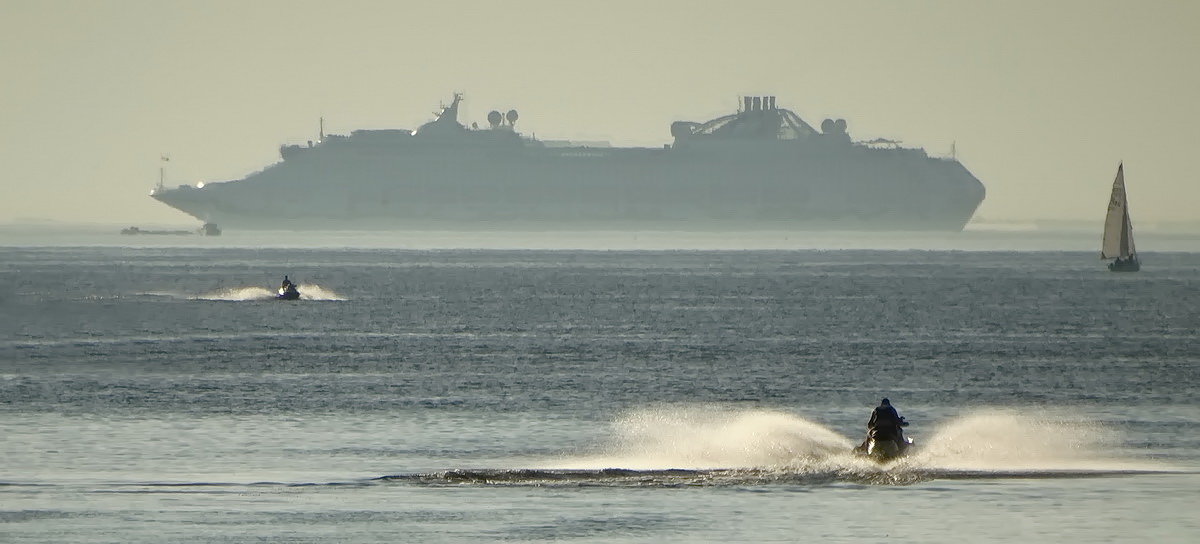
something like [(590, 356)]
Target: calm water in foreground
[(158, 394)]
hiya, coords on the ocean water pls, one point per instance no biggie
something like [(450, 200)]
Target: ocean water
[(155, 392)]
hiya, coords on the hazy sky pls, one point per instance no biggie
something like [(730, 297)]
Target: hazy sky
[(1041, 98)]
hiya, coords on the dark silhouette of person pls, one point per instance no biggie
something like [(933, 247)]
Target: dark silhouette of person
[(886, 422)]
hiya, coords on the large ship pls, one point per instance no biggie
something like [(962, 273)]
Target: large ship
[(762, 167)]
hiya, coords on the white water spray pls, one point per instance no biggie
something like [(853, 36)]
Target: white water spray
[(308, 291), (312, 291), (706, 437), (238, 294), (1007, 441), (711, 437)]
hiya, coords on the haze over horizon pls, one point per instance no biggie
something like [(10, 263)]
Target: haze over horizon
[(1040, 100)]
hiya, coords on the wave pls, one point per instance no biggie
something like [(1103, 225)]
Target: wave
[(614, 477)]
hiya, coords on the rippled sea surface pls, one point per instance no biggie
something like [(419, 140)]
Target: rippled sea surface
[(160, 394)]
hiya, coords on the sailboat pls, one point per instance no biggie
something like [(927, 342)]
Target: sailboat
[(1118, 231)]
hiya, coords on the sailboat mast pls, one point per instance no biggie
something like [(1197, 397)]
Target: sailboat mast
[(1127, 249), (1125, 236)]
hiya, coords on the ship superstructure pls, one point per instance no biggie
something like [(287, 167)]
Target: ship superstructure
[(760, 167)]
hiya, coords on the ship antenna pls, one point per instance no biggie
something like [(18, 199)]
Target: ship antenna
[(321, 134), (161, 170)]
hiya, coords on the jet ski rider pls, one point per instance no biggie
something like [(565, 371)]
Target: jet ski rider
[(287, 284), (885, 422)]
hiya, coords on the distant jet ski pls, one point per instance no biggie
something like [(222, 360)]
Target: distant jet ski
[(287, 290)]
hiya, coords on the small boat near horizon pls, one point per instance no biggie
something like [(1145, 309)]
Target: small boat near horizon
[(1118, 230), (287, 290), (208, 229)]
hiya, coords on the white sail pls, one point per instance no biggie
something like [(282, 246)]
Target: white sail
[(1118, 231)]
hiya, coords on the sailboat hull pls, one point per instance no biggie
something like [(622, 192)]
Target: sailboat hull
[(1131, 265)]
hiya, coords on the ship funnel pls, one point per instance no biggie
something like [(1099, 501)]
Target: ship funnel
[(758, 103), (749, 103)]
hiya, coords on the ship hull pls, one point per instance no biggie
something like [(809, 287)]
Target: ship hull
[(773, 185)]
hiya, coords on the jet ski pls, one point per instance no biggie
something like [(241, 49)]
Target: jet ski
[(885, 435), (287, 291), (883, 445)]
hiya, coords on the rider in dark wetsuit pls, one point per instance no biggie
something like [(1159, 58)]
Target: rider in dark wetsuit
[(886, 422)]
